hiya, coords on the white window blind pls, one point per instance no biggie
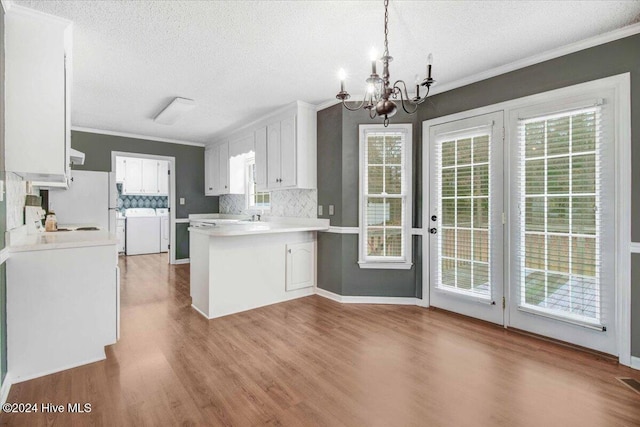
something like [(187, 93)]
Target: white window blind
[(559, 185), (385, 191), (463, 185)]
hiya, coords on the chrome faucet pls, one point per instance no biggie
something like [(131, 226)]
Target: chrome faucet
[(255, 217)]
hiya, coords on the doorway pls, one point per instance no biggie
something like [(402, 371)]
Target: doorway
[(144, 199), (528, 214)]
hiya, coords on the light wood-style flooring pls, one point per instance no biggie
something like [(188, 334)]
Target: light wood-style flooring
[(313, 361)]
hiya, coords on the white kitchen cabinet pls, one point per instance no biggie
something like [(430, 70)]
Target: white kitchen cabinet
[(121, 234), (145, 177), (37, 94), (217, 169), (209, 170), (163, 177), (150, 176), (273, 155), (120, 169), (300, 265), (261, 158), (132, 176), (62, 307), (164, 233)]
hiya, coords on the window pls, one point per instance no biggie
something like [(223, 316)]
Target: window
[(254, 199), (561, 201), (385, 196)]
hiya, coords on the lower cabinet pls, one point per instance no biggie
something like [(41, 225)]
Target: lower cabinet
[(300, 265), (121, 234)]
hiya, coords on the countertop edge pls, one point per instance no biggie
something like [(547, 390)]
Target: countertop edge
[(217, 232)]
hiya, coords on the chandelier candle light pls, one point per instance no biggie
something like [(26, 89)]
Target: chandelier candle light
[(379, 90)]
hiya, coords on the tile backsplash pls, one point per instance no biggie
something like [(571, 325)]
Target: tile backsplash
[(126, 201), (284, 203)]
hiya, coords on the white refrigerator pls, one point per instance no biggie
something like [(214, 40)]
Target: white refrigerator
[(91, 199)]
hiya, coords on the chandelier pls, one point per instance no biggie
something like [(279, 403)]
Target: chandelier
[(379, 89)]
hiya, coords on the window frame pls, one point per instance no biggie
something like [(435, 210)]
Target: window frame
[(248, 183), (377, 262)]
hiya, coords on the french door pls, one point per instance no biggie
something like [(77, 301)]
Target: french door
[(539, 210), (465, 220)]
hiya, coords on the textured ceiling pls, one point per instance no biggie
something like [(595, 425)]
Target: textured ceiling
[(240, 59)]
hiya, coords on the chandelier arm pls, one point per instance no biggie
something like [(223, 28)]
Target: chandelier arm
[(372, 113), (344, 102), (397, 89)]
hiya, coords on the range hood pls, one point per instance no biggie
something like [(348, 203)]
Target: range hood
[(76, 157)]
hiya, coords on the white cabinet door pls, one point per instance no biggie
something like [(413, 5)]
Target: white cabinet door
[(273, 155), (37, 84), (163, 177), (301, 260), (164, 234), (120, 166), (150, 176), (209, 168), (132, 176), (215, 173), (121, 235), (261, 159), (288, 152), (223, 168)]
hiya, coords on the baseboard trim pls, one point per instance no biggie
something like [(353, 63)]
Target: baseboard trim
[(348, 299), (635, 362), (201, 312), (183, 261), (6, 387), (635, 247), (64, 368)]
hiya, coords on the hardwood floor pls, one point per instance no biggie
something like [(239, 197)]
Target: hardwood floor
[(313, 361)]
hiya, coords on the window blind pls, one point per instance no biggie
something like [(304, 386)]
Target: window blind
[(463, 184), (559, 185), (384, 195)]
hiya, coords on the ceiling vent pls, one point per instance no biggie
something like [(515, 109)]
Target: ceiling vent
[(174, 110)]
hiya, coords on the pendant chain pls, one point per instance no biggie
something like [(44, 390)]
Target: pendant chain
[(386, 27)]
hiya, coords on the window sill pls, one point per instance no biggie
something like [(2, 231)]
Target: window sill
[(385, 265)]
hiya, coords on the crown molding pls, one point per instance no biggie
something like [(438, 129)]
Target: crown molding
[(136, 136), (6, 5), (327, 104), (620, 33), (14, 8)]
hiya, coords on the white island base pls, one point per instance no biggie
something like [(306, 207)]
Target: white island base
[(231, 273)]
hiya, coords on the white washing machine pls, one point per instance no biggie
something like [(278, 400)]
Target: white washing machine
[(143, 231), (165, 234)]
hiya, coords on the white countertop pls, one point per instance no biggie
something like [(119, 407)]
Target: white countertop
[(244, 228), (61, 240)]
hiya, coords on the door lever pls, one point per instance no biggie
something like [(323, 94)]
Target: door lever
[(433, 230)]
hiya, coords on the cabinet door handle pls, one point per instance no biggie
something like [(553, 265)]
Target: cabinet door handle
[(210, 188)]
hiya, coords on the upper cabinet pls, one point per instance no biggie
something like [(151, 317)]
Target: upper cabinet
[(143, 176), (216, 169), (37, 85), (285, 151)]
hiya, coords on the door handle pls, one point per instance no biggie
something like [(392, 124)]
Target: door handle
[(433, 230), (434, 218)]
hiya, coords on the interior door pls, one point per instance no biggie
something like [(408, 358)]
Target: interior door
[(466, 217)]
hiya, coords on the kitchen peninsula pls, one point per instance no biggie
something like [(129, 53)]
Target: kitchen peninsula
[(238, 266)]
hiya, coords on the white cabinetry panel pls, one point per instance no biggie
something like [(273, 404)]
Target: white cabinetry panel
[(133, 176), (300, 265), (261, 158)]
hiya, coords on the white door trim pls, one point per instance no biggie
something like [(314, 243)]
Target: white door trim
[(622, 86), (172, 191)]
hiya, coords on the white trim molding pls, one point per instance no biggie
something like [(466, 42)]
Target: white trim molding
[(635, 362), (182, 220), (135, 136), (635, 247), (4, 254), (342, 230), (417, 231), (183, 261), (6, 387), (347, 299)]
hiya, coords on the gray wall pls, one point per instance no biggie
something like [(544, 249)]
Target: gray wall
[(620, 56), (189, 172)]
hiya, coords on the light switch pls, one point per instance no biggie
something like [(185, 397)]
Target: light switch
[(330, 209), (319, 210), (182, 200)]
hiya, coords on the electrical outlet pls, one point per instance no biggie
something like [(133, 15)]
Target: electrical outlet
[(319, 210), (330, 209), (182, 200)]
